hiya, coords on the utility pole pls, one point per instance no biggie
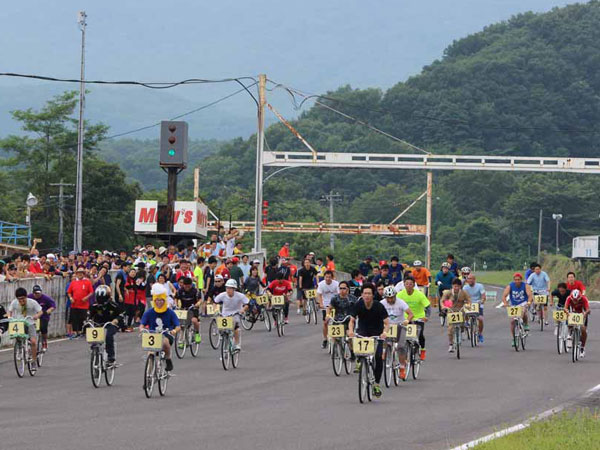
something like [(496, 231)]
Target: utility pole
[(260, 142), (61, 210), (428, 222), (558, 218), (539, 253), (331, 197), (78, 231)]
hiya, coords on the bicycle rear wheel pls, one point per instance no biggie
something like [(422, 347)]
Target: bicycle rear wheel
[(363, 382), (457, 340), (337, 357), (416, 362), (40, 351), (225, 354), (248, 321), (213, 334), (191, 339), (109, 374), (96, 366), (347, 358), (267, 317), (19, 358), (149, 375), (388, 367), (180, 343), (235, 357), (163, 376)]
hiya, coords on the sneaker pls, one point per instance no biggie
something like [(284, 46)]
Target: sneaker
[(451, 349), (376, 390), (197, 338), (512, 343), (298, 311), (357, 367), (169, 365), (423, 354), (582, 353), (33, 366), (324, 343), (402, 373), (181, 345), (546, 323), (110, 364), (286, 321), (237, 348), (481, 339)]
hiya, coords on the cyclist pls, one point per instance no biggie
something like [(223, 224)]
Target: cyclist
[(578, 303), (422, 276), (233, 302), (399, 313), (217, 288), (561, 293), (325, 292), (280, 286), (443, 281), (23, 307), (373, 320), (459, 298), (540, 284), (163, 319), (476, 292), (420, 307), (383, 276), (396, 270), (48, 305), (307, 277), (464, 273), (342, 303), (189, 296), (573, 284), (453, 264), (104, 311), (518, 294)]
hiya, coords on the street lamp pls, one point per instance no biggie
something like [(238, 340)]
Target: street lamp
[(557, 217), (30, 203)]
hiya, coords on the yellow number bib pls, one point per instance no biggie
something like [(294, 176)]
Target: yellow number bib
[(181, 314), (473, 309), (335, 331), (393, 333), (540, 299), (225, 323), (310, 293), (575, 319), (16, 328), (559, 316), (515, 311), (411, 331), (262, 300), (277, 300), (363, 346), (152, 341), (94, 334), (455, 318), (212, 309)]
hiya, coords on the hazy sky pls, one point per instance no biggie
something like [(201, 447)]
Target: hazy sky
[(315, 45)]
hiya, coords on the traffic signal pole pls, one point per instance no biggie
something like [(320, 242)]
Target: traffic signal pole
[(171, 196)]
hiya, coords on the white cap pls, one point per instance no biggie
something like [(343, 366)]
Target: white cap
[(51, 256), (256, 261), (219, 277)]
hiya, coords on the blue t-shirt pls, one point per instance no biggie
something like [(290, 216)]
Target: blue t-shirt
[(539, 283), (167, 320), (475, 292), (517, 295)]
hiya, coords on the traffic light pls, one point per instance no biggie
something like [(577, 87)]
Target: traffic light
[(173, 144)]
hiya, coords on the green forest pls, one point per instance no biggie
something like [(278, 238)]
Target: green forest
[(529, 86)]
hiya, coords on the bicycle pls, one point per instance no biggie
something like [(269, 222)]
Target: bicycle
[(472, 314), (364, 349), (229, 352), (519, 333), (155, 370), (391, 358), (185, 337), (96, 336), (310, 309), (562, 330), (17, 330), (41, 351), (413, 349), (277, 304), (575, 322), (250, 318), (212, 310), (540, 301), (456, 320), (341, 355)]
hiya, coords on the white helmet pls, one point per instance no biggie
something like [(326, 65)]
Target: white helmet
[(466, 270), (575, 294), (446, 265), (389, 291), (417, 263), (231, 283)]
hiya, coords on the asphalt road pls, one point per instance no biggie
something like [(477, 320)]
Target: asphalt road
[(284, 395)]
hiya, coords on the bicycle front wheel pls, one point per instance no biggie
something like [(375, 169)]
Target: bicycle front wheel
[(30, 362), (191, 339), (307, 311), (149, 373), (267, 317), (96, 366), (559, 342), (457, 341), (225, 354), (363, 381), (516, 336), (368, 374), (542, 318), (313, 308), (163, 377), (388, 367), (40, 351), (19, 358), (575, 345), (409, 361), (213, 334), (180, 343), (347, 358), (337, 358)]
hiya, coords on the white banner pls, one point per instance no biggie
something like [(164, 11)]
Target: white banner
[(184, 217), (146, 215), (201, 218)]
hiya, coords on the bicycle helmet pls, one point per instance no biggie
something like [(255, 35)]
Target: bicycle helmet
[(389, 291), (101, 294), (417, 263), (465, 270), (446, 265), (231, 284), (575, 294)]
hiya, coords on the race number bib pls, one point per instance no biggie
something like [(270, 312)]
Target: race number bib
[(575, 319), (152, 341), (363, 346), (335, 331), (514, 311), (455, 318), (93, 335), (559, 316), (277, 300), (225, 323)]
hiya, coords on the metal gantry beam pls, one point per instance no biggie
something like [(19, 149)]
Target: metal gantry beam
[(432, 162), (323, 227)]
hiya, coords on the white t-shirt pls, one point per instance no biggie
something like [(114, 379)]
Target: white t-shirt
[(231, 305), (328, 291), (396, 311), (229, 247), (31, 309)]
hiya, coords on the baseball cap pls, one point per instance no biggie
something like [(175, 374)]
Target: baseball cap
[(51, 256), (517, 274), (235, 259), (255, 261), (36, 288), (219, 277)]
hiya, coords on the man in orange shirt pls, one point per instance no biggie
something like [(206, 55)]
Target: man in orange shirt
[(422, 276), (80, 290), (330, 264), (284, 252)]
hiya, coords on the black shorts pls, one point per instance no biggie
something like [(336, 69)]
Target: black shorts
[(169, 337), (195, 312), (324, 311), (77, 318), (44, 325)]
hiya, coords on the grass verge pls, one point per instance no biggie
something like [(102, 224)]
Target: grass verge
[(566, 431), (498, 277)]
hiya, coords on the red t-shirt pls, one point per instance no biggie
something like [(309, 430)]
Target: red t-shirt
[(577, 285), (578, 307), (78, 290), (280, 287), (35, 267), (284, 252), (187, 274), (331, 266)]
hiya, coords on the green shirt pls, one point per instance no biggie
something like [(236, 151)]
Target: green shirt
[(199, 274), (417, 302)]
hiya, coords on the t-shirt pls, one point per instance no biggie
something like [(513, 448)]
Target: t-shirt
[(45, 302), (331, 266), (396, 311), (475, 292), (396, 273), (122, 276), (417, 302), (343, 306), (79, 289), (231, 305), (199, 274), (458, 298), (245, 269), (188, 298), (562, 298), (370, 320), (230, 245), (328, 291), (517, 295), (539, 283), (235, 273), (160, 321), (578, 307), (364, 268), (421, 276), (576, 285), (307, 277), (280, 287), (31, 308)]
